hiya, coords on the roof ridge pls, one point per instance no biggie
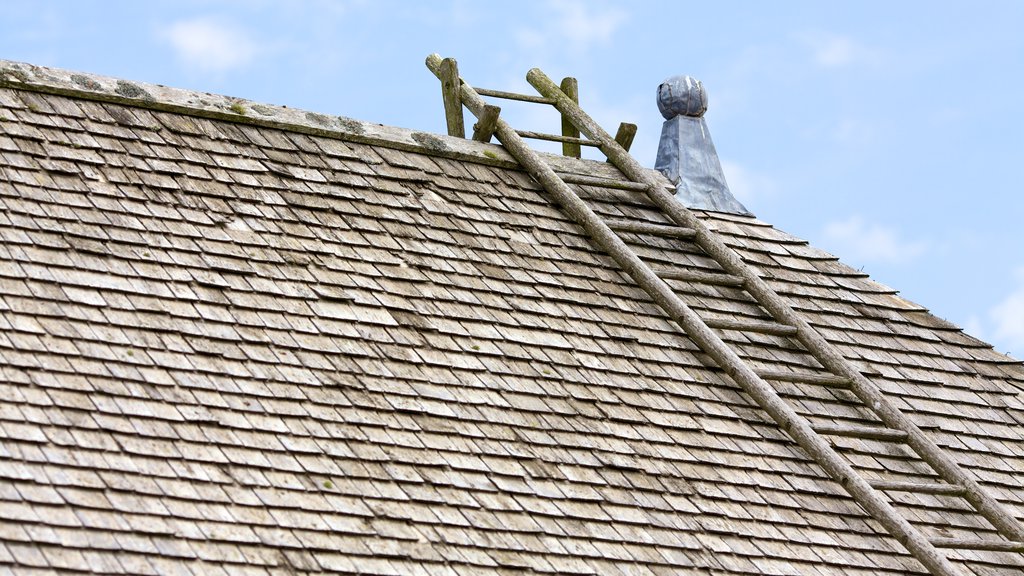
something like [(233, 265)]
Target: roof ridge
[(96, 87), (24, 76)]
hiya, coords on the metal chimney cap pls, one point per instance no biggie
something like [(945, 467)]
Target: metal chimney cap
[(682, 96)]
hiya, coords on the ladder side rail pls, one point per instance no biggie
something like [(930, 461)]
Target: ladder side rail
[(797, 426), (825, 352)]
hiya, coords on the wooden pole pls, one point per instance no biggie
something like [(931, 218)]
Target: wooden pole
[(450, 84), (571, 89), (484, 128), (625, 135)]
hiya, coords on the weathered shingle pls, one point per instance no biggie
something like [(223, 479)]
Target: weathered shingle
[(234, 347)]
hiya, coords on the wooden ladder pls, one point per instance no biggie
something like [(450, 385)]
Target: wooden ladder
[(838, 372)]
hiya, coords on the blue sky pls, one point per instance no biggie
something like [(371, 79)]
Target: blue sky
[(889, 133)]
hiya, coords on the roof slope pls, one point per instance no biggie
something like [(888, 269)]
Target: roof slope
[(248, 344)]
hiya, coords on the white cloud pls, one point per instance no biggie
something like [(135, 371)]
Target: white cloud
[(211, 46), (530, 39), (835, 51), (463, 13), (574, 24), (857, 241), (584, 24), (830, 50), (854, 131), (746, 185), (1008, 317), (974, 327), (629, 109)]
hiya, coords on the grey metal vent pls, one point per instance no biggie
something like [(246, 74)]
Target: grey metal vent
[(686, 154)]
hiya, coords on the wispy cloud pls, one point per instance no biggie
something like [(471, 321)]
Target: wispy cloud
[(211, 46), (463, 13), (973, 326), (574, 24), (858, 241), (854, 131), (831, 50), (835, 51), (747, 185), (561, 31), (1007, 317), (585, 24)]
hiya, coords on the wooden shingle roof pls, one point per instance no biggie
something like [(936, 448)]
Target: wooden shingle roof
[(241, 339)]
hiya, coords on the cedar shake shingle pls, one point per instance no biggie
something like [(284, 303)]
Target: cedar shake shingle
[(296, 343)]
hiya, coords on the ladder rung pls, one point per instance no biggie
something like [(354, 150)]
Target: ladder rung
[(978, 544), (918, 487), (601, 182), (862, 432), (699, 277), (669, 230), (756, 326), (514, 96), (556, 138), (830, 380)]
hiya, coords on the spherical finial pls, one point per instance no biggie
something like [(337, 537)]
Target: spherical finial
[(682, 96)]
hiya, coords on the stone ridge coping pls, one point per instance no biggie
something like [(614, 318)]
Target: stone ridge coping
[(22, 76)]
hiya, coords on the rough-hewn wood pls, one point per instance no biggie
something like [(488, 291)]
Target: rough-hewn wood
[(698, 277), (452, 98), (625, 134), (571, 178), (572, 90), (634, 227), (483, 130), (754, 326), (791, 422), (513, 96), (862, 432), (601, 182), (555, 138), (821, 379), (970, 544), (918, 487)]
